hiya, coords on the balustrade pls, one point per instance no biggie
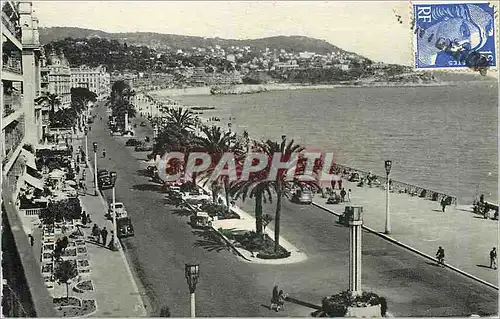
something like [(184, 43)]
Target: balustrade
[(13, 65), (12, 103)]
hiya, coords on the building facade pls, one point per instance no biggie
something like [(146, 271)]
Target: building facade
[(23, 291), (96, 80), (57, 73)]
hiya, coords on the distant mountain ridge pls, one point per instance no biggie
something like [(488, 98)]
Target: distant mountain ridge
[(151, 39)]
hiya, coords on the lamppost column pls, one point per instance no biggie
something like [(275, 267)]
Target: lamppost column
[(355, 215), (387, 166), (193, 306), (86, 149), (95, 169)]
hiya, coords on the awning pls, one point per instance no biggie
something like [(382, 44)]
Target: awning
[(30, 158), (37, 183)]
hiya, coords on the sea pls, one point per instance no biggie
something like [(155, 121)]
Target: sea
[(443, 138)]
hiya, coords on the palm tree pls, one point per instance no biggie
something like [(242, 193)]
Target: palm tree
[(52, 99), (180, 117), (216, 143), (281, 182)]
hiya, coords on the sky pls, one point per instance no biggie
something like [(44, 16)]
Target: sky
[(367, 28)]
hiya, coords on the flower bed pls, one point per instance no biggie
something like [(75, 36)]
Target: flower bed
[(69, 253), (84, 286), (263, 245), (47, 255), (47, 268), (48, 247), (65, 302), (81, 250), (80, 242), (340, 304), (83, 263), (87, 307), (218, 210)]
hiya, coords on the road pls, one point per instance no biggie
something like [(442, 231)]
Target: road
[(164, 242)]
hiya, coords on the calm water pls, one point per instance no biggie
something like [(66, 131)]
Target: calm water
[(442, 138)]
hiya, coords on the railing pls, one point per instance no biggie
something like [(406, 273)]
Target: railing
[(16, 31), (13, 137), (12, 103), (400, 187), (31, 211), (13, 65)]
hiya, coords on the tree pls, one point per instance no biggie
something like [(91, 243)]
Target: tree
[(64, 272), (165, 312), (281, 182), (266, 220), (53, 100)]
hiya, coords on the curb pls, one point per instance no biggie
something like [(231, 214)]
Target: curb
[(396, 242), (228, 242), (122, 253)]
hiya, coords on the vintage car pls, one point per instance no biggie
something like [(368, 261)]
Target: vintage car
[(124, 227), (116, 133), (128, 133), (132, 142), (201, 220), (142, 124), (104, 181), (302, 196), (102, 172), (120, 210), (143, 148)]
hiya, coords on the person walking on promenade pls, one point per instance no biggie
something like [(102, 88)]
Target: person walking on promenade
[(281, 300), (440, 256), (340, 183), (77, 169), (84, 218), (274, 299), (333, 182), (104, 153), (493, 258), (95, 232), (349, 194), (342, 194), (32, 240), (481, 199), (443, 203), (104, 234)]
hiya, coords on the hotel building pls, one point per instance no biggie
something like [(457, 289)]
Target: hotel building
[(96, 80), (24, 293)]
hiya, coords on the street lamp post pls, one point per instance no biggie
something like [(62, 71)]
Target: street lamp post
[(115, 245), (95, 168), (355, 216), (86, 147), (192, 273), (388, 166)]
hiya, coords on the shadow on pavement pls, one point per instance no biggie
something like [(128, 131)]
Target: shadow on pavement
[(210, 241), (148, 187), (432, 264), (303, 303), (483, 266), (143, 172)]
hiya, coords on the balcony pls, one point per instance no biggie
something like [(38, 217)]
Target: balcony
[(14, 134), (12, 31), (12, 103), (12, 70)]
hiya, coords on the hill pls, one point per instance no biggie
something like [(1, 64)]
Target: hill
[(173, 41)]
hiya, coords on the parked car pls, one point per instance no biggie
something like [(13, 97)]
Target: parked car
[(128, 133), (132, 142), (201, 220), (142, 124), (124, 227), (120, 210), (144, 148), (104, 180), (302, 196), (116, 133), (102, 172)]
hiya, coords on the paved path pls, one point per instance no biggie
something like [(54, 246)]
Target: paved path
[(466, 238), (115, 292), (229, 287)]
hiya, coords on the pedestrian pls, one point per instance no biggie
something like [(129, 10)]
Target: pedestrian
[(104, 234), (111, 244), (274, 299), (481, 199), (342, 194), (96, 232), (493, 258), (77, 169), (333, 182), (440, 256), (104, 153), (32, 240), (88, 215), (78, 158), (281, 300), (84, 218), (349, 193), (340, 183), (443, 203)]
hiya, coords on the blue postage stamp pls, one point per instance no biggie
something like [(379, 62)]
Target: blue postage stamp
[(454, 35)]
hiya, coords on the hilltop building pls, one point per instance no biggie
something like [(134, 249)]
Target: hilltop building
[(24, 293)]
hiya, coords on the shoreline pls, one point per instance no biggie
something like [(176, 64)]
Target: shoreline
[(250, 88), (206, 121)]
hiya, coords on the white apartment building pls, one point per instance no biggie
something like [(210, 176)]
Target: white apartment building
[(58, 73), (20, 116), (96, 80)]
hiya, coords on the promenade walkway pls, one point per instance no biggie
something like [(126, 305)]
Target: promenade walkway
[(419, 223), (115, 291)]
